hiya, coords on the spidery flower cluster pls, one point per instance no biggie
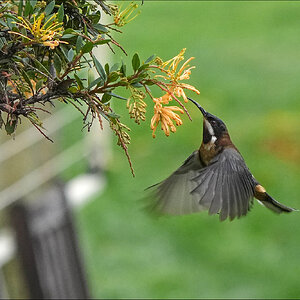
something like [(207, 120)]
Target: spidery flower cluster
[(44, 32), (174, 88), (47, 55)]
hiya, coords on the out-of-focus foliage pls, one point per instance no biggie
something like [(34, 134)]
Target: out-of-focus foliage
[(248, 68), (45, 45)]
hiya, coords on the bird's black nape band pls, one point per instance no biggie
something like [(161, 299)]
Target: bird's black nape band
[(204, 113)]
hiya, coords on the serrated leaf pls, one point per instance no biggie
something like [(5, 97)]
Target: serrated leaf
[(61, 13), (99, 68), (87, 47), (149, 59), (79, 82), (70, 54), (79, 43), (135, 61), (49, 8), (57, 63), (95, 82)]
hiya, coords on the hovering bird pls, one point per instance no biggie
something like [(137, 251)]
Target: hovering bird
[(215, 178)]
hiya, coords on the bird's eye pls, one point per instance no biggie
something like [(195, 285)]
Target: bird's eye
[(213, 122)]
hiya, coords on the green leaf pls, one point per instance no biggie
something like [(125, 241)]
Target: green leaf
[(115, 67), (91, 76), (69, 30), (49, 8), (135, 62), (41, 67), (143, 67), (28, 9), (106, 67), (113, 76), (99, 68), (68, 36), (113, 115), (95, 82), (39, 84), (137, 85), (123, 69), (71, 54), (117, 96), (101, 28), (57, 63), (61, 13), (149, 59), (95, 17), (73, 89), (20, 8), (27, 79), (101, 42), (10, 127), (87, 47), (105, 98), (33, 3), (79, 43), (79, 82)]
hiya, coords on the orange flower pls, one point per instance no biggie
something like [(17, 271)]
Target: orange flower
[(51, 44), (165, 115), (171, 74)]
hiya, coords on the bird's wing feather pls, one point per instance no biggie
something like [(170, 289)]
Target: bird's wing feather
[(173, 195), (226, 185)]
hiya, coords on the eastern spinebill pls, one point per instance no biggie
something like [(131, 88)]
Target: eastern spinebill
[(214, 178)]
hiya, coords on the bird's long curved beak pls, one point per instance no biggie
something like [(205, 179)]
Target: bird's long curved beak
[(204, 113)]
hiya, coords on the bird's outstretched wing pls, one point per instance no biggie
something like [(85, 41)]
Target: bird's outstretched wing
[(173, 195), (225, 186)]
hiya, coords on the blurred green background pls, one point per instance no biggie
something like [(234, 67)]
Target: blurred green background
[(247, 69)]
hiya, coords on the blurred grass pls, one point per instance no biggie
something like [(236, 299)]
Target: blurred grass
[(248, 67)]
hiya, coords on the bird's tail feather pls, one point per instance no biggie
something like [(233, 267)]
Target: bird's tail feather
[(274, 205)]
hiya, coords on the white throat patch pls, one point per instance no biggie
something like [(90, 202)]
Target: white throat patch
[(209, 127), (213, 139)]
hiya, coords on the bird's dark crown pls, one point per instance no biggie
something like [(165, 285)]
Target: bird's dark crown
[(213, 127)]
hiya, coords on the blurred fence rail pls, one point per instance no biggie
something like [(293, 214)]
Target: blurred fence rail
[(39, 251)]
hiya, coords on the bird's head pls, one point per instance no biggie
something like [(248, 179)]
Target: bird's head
[(213, 127)]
